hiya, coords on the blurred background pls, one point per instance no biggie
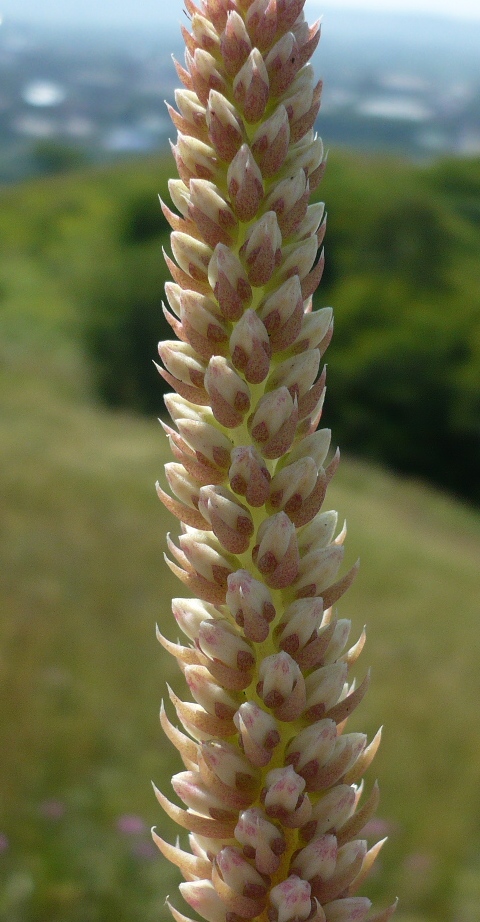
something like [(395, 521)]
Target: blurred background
[(83, 153)]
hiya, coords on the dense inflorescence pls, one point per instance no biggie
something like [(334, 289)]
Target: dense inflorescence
[(271, 783)]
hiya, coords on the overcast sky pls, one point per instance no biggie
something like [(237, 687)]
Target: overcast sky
[(141, 12)]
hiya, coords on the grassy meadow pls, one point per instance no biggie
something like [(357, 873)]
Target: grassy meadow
[(82, 584)]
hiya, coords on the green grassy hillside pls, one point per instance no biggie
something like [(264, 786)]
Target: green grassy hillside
[(82, 583)]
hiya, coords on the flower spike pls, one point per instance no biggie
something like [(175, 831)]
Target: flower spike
[(270, 783)]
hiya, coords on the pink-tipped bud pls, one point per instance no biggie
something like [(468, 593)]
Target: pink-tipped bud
[(213, 217), (196, 795), (182, 485), (249, 476), (282, 63), (261, 840), (182, 362), (251, 605), (299, 623), (220, 641), (289, 200), (202, 326), (291, 900), (225, 130), (314, 331), (332, 810), (205, 558), (235, 43), (209, 444), (229, 282), (270, 142), (245, 184), (261, 21), (251, 87), (228, 392), (205, 75), (239, 875), (314, 446), (230, 767), (283, 797), (193, 115), (349, 909), (192, 255), (203, 898), (194, 158), (205, 34), (273, 422), (250, 348), (297, 373), (276, 551), (189, 614), (318, 570), (209, 694), (258, 733), (338, 641), (261, 251), (290, 487), (317, 860), (319, 532), (324, 687), (312, 747), (282, 314), (282, 686), (231, 522), (298, 258)]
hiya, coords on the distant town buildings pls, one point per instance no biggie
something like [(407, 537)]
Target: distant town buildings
[(106, 98)]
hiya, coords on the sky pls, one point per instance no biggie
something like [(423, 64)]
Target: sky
[(140, 12)]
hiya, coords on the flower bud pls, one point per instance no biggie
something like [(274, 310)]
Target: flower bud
[(276, 551), (192, 118), (209, 444), (205, 34), (332, 810), (318, 533), (229, 395), (241, 887), (290, 487), (194, 158), (203, 898), (250, 348), (289, 199), (213, 217), (235, 43), (314, 330), (205, 75), (299, 623), (261, 22), (251, 87), (182, 362), (202, 326), (261, 840), (298, 258), (229, 282), (182, 485), (258, 733), (282, 314), (282, 63), (318, 570), (205, 558), (273, 422), (189, 614), (249, 476), (313, 446), (197, 796), (291, 900), (282, 686), (283, 797), (220, 641), (230, 767), (270, 142), (261, 252), (231, 522), (245, 184), (225, 130), (317, 860), (311, 748), (208, 694), (324, 686), (251, 605), (297, 373), (192, 255)]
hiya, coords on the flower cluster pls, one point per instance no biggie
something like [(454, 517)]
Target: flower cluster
[(271, 784)]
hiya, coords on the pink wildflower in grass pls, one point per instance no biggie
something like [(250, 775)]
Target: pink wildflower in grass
[(271, 789)]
